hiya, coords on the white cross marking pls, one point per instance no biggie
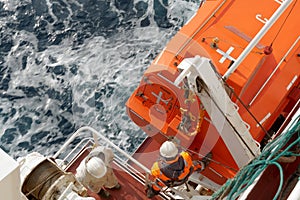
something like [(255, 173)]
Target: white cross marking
[(159, 98), (225, 55)]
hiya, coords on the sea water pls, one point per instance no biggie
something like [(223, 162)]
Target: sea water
[(65, 64)]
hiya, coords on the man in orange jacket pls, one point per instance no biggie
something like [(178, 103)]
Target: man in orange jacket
[(172, 169)]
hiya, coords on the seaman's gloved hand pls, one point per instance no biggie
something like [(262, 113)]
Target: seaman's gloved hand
[(198, 165), (201, 164), (150, 191)]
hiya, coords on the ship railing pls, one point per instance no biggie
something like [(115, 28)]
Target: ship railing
[(88, 143), (84, 145), (98, 137)]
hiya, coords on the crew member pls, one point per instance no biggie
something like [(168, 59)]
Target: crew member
[(172, 169), (95, 171)]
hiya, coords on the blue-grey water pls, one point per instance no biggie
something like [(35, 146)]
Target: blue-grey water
[(70, 63)]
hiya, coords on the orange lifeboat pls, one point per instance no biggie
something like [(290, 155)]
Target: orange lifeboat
[(263, 86)]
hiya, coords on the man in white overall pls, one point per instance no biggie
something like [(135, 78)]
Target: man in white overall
[(95, 171)]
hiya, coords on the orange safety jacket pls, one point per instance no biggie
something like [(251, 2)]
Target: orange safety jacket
[(172, 174)]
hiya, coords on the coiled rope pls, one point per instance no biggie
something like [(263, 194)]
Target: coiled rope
[(234, 187)]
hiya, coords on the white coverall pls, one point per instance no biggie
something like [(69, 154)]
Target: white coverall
[(109, 180)]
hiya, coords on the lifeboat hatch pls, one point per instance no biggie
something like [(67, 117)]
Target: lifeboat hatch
[(166, 107), (161, 101)]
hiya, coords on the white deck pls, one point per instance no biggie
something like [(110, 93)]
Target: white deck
[(10, 184)]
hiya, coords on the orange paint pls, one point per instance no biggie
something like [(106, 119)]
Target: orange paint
[(163, 110)]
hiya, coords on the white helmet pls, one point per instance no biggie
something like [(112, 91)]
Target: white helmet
[(96, 167), (168, 150)]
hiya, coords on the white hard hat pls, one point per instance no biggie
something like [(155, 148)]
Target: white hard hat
[(96, 167), (168, 150)]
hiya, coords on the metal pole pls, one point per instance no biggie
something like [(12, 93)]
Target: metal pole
[(257, 38), (275, 70), (107, 142)]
